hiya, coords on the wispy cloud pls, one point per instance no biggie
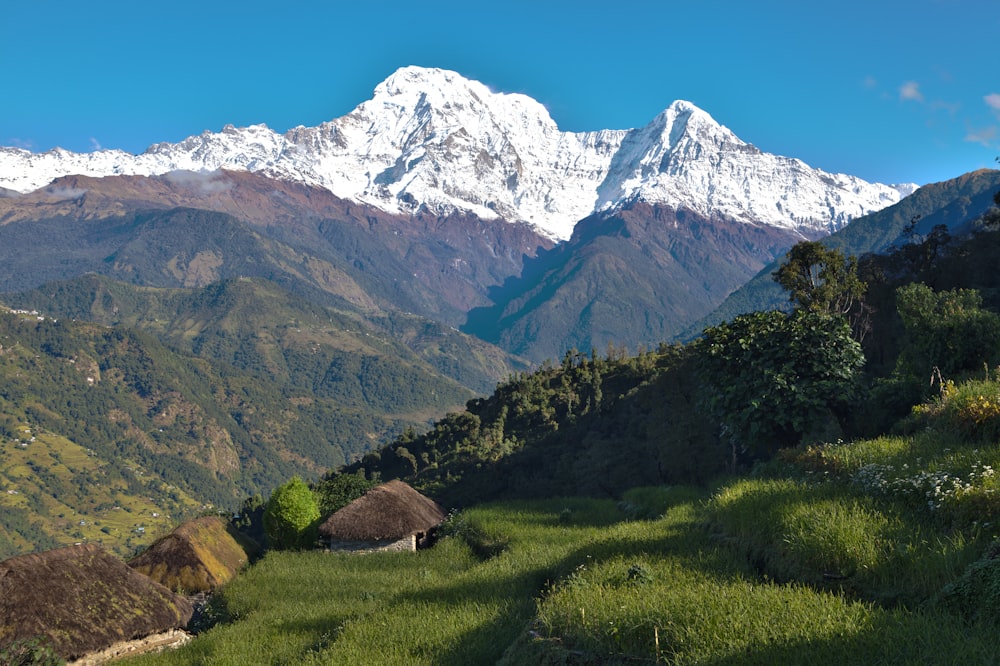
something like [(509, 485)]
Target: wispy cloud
[(95, 144), (950, 107), (26, 144), (993, 101), (910, 92), (66, 192), (985, 136), (204, 182)]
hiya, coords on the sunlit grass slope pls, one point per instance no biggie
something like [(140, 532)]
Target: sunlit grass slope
[(587, 581)]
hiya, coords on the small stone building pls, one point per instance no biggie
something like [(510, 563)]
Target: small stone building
[(392, 516), (81, 600)]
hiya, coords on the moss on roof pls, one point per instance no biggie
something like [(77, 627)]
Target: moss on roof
[(198, 556), (82, 599)]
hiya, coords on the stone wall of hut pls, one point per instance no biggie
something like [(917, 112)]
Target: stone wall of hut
[(407, 543)]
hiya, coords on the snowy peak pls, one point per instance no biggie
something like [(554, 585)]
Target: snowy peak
[(431, 140)]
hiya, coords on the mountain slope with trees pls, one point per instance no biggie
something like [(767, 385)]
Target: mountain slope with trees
[(954, 204), (840, 365), (141, 419)]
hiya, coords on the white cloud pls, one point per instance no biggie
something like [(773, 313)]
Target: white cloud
[(66, 192), (993, 101), (204, 182), (910, 91), (95, 144), (985, 136)]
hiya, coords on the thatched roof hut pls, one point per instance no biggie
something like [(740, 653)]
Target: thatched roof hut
[(198, 556), (82, 599), (390, 516)]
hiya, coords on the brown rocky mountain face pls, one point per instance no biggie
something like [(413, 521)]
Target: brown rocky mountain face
[(632, 278), (131, 228), (638, 276)]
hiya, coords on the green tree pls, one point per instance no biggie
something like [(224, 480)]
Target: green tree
[(773, 378), (991, 218), (820, 279), (947, 330), (339, 490), (250, 519), (291, 516)]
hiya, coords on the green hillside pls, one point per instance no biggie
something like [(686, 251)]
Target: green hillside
[(955, 204), (258, 326), (593, 425), (186, 432)]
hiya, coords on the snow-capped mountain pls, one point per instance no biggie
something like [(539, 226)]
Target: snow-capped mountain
[(432, 140)]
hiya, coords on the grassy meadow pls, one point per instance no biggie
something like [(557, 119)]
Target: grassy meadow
[(803, 561)]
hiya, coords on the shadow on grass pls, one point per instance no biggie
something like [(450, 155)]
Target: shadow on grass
[(833, 538), (926, 640), (514, 584)]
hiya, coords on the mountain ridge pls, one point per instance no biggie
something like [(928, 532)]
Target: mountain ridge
[(435, 142), (953, 203)]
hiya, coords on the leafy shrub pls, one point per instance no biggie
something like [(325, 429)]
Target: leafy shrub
[(947, 330), (976, 595), (29, 652), (972, 408), (773, 377), (291, 516), (338, 490)]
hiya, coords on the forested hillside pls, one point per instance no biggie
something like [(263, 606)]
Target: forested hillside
[(94, 419), (592, 425), (598, 424), (954, 205)]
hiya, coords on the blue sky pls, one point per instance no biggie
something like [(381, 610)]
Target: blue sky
[(888, 91)]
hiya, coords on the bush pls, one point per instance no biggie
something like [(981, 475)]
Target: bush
[(971, 408), (291, 516), (946, 330), (339, 490), (976, 595)]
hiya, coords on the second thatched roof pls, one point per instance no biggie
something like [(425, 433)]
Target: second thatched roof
[(199, 556), (390, 511)]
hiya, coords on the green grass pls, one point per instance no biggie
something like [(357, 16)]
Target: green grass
[(874, 552), (577, 581)]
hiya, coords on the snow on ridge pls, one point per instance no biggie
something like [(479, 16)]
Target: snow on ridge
[(432, 140)]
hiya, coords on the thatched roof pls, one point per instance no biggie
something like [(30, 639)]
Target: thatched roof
[(392, 510), (83, 599), (198, 556)]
